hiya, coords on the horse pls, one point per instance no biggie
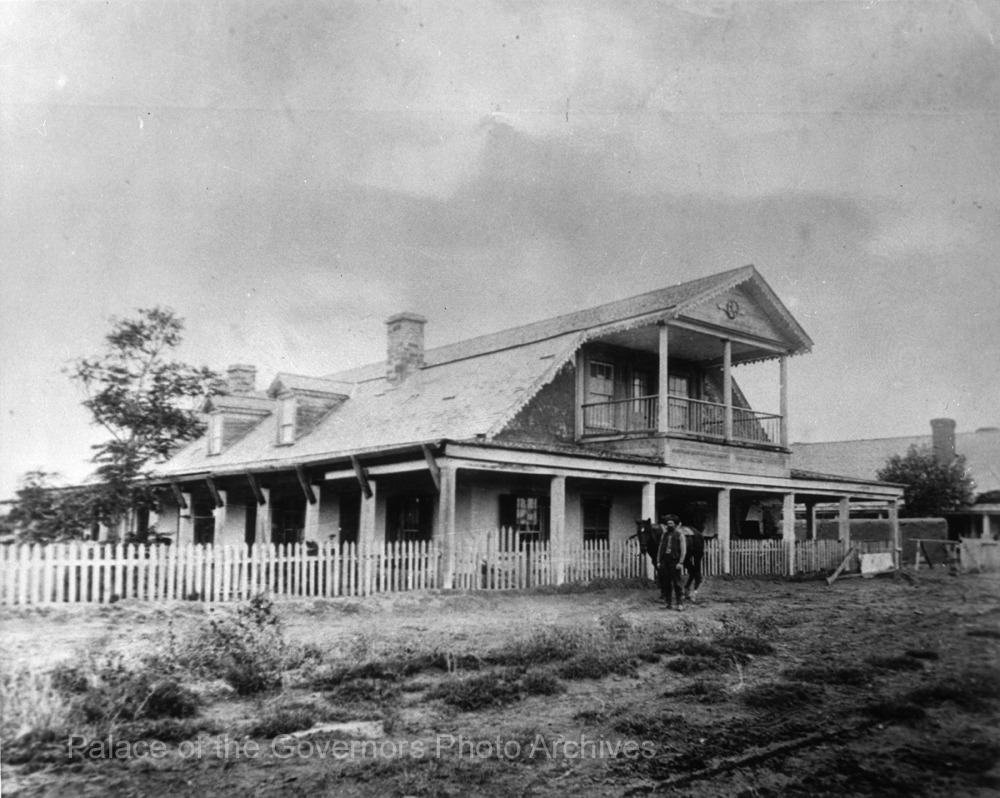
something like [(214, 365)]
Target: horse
[(648, 534)]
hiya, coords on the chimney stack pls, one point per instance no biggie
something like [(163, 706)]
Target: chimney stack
[(943, 439), (405, 352), (241, 378)]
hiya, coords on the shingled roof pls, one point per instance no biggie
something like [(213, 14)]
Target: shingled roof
[(466, 390), (864, 458)]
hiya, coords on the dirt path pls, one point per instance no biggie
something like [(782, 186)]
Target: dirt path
[(863, 643)]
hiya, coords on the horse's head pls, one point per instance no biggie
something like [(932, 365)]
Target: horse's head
[(649, 538)]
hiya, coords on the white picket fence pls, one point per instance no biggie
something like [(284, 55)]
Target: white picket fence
[(89, 573), (71, 573)]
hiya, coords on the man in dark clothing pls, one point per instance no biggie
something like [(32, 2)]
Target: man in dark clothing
[(670, 556), (692, 561)]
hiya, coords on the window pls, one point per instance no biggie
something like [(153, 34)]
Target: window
[(640, 383), (215, 423), (286, 420), (409, 518), (288, 519), (602, 381), (527, 514), (596, 518)]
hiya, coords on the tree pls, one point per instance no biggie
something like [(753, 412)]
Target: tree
[(931, 487), (146, 400)]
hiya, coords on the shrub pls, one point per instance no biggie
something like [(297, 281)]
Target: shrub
[(247, 649)]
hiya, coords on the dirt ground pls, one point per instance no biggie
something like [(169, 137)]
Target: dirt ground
[(897, 692)]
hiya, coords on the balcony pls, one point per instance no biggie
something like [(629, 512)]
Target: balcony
[(685, 417)]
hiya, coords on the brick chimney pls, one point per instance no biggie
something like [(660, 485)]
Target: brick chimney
[(241, 378), (405, 352), (943, 439)]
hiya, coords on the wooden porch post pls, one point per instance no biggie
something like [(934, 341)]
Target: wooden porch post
[(185, 522), (727, 387), (557, 528), (581, 392), (445, 525), (788, 529), (897, 543), (844, 522), (649, 511), (663, 387), (784, 400), (262, 530), (366, 524), (811, 520), (219, 514), (311, 531), (722, 526)]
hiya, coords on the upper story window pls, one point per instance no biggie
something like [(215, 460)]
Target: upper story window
[(215, 422), (601, 384), (286, 420)]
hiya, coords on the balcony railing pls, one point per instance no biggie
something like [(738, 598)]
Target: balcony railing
[(622, 415), (686, 416)]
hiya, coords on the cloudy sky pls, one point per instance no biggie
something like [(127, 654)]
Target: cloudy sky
[(286, 175)]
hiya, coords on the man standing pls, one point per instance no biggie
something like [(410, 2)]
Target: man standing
[(670, 557)]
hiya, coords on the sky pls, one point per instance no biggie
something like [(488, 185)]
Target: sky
[(286, 175)]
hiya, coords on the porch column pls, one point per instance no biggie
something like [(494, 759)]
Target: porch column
[(844, 522), (262, 530), (811, 520), (897, 543), (788, 529), (444, 531), (662, 416), (727, 387), (784, 400), (722, 526), (219, 516), (649, 511), (185, 522), (366, 523), (311, 531), (557, 528), (581, 392), (984, 533)]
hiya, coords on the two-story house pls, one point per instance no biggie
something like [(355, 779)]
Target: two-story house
[(567, 429)]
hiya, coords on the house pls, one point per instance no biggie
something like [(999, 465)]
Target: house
[(564, 430), (862, 459)]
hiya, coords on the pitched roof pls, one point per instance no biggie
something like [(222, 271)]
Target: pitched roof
[(673, 301), (863, 458), (304, 384), (253, 404), (465, 390)]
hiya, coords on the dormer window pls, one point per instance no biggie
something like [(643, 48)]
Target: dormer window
[(215, 433), (286, 420)]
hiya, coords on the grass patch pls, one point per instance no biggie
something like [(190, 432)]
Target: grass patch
[(989, 634), (971, 690), (922, 653), (779, 697), (745, 644), (896, 663), (896, 711), (541, 682), (545, 645), (597, 665), (829, 674), (648, 725), (482, 690)]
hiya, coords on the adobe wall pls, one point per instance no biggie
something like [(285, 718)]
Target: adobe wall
[(550, 415)]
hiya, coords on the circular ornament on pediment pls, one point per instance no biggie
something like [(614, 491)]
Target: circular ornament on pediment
[(732, 309)]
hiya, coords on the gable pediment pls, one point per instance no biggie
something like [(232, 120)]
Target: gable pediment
[(738, 310)]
